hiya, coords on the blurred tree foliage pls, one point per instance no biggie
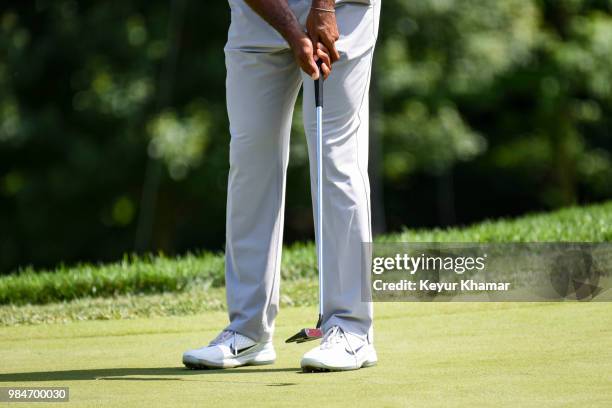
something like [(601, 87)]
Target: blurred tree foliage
[(485, 108)]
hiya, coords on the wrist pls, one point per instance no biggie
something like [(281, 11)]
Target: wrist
[(294, 36), (325, 4)]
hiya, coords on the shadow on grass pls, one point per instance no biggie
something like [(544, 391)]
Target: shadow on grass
[(136, 374)]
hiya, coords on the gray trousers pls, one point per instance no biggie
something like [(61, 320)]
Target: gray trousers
[(263, 82)]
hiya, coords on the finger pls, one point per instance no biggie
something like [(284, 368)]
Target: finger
[(326, 70), (310, 67), (324, 56), (322, 47), (326, 66), (303, 59), (333, 52), (314, 37), (330, 49)]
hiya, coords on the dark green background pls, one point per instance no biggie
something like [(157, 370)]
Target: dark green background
[(479, 109)]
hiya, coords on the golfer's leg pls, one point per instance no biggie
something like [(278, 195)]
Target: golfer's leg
[(346, 191), (261, 93)]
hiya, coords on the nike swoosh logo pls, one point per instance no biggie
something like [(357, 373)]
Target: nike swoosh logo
[(355, 351), (238, 352)]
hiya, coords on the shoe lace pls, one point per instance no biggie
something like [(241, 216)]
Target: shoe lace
[(334, 336)]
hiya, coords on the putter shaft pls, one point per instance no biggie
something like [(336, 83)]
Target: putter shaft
[(305, 335)]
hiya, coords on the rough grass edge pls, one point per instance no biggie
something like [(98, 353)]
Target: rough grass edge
[(154, 274)]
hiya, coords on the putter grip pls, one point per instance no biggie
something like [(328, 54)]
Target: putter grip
[(318, 83)]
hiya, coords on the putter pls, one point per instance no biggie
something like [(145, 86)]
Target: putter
[(308, 334)]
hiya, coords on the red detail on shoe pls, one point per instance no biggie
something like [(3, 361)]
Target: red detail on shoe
[(314, 332)]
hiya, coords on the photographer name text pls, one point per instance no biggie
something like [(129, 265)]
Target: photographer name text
[(467, 285)]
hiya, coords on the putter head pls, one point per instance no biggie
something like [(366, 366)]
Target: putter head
[(305, 335)]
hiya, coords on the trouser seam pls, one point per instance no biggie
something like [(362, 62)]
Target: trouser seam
[(361, 174), (278, 228)]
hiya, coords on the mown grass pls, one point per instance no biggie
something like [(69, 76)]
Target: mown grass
[(430, 355), (162, 274)]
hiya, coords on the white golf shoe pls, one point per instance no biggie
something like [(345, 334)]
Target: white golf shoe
[(229, 350), (340, 351)]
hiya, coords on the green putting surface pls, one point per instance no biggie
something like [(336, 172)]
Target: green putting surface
[(443, 354)]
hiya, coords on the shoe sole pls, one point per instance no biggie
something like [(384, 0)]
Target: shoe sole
[(262, 357), (312, 367), (204, 365)]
